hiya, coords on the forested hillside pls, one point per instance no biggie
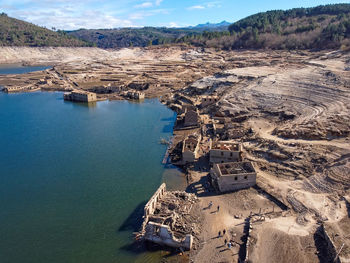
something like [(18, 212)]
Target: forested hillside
[(128, 37), (14, 32), (321, 27), (145, 36)]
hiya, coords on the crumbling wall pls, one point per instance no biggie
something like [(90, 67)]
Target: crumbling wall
[(244, 248), (218, 156), (328, 244), (190, 155), (209, 100), (138, 85), (248, 241), (162, 235), (152, 203), (165, 221), (228, 183), (191, 118), (236, 182)]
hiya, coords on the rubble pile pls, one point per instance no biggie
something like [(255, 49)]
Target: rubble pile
[(174, 210)]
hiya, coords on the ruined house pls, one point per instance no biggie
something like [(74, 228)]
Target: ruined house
[(218, 118), (221, 152), (164, 222), (190, 148), (10, 89), (135, 95), (209, 100), (13, 89), (106, 89), (187, 107), (191, 119), (232, 176), (227, 130), (162, 235), (80, 96), (218, 129), (42, 82), (138, 85)]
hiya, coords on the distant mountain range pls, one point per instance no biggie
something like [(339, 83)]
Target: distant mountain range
[(222, 25)]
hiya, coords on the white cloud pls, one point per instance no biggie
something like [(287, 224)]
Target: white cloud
[(70, 15), (144, 5), (146, 13), (158, 2), (149, 4), (67, 21), (173, 24), (196, 7), (137, 16), (205, 6)]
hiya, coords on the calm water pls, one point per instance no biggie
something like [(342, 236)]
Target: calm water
[(15, 69), (74, 178)]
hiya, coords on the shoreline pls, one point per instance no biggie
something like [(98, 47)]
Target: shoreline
[(265, 103)]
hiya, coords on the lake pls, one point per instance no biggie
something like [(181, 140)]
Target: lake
[(74, 177), (16, 69)]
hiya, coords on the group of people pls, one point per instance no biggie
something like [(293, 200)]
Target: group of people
[(228, 244)]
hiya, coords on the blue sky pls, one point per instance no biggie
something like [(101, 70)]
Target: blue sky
[(74, 14)]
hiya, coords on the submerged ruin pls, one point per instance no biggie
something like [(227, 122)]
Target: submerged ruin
[(80, 96)]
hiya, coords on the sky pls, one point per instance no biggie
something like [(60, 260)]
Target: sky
[(97, 14)]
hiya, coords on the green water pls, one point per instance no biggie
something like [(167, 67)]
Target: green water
[(74, 178)]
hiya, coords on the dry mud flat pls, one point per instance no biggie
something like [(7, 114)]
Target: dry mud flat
[(299, 111), (296, 106), (155, 71)]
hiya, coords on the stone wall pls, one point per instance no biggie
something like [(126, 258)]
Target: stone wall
[(232, 182), (236, 182), (152, 203), (209, 100), (158, 232), (218, 156), (331, 249), (80, 96), (162, 235)]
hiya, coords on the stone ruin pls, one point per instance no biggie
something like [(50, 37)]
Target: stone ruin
[(167, 220)]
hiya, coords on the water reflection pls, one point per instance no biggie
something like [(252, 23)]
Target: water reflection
[(92, 104)]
